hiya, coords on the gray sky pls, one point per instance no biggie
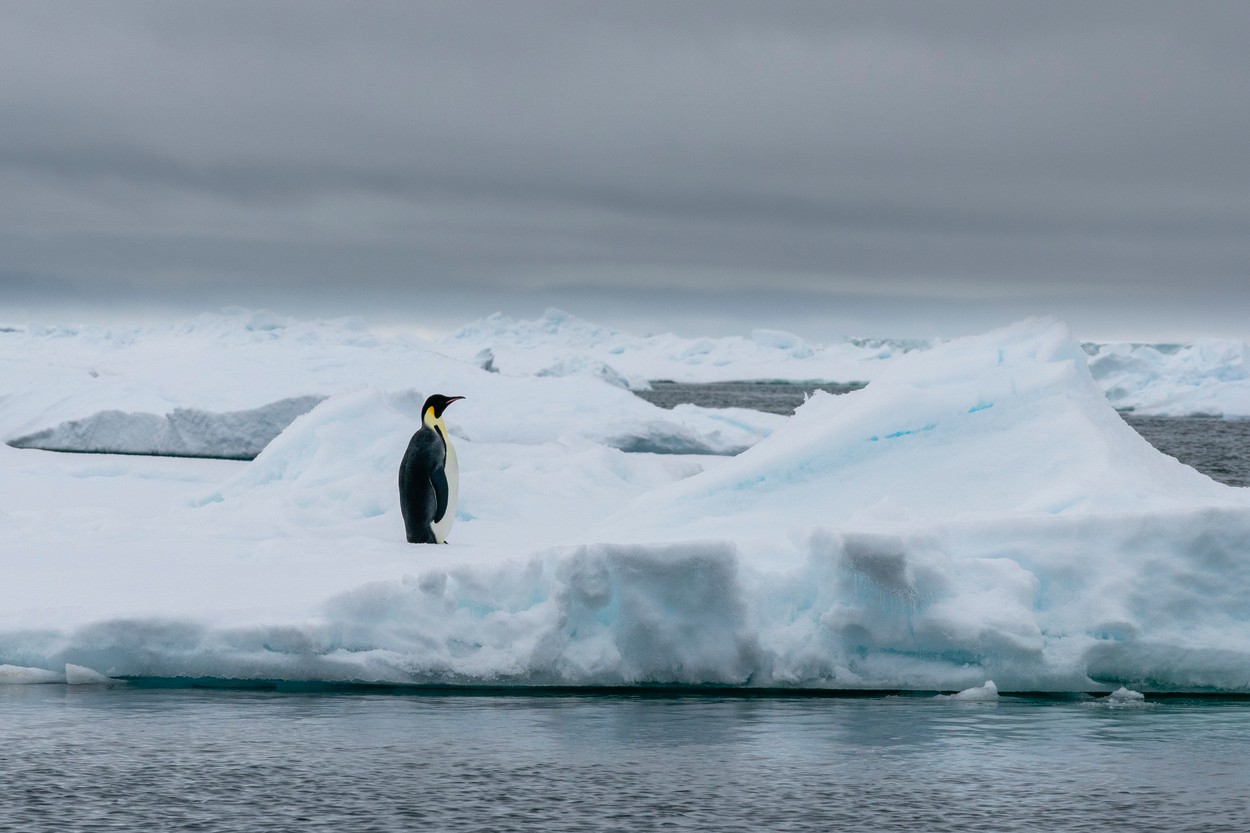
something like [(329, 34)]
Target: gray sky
[(870, 168)]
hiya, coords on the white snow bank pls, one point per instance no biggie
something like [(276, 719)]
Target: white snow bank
[(978, 512)]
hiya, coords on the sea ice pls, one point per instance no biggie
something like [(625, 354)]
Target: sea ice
[(1125, 698), (1207, 378), (20, 675), (978, 512), (986, 693), (80, 675)]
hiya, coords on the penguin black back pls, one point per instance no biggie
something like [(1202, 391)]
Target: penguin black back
[(429, 477)]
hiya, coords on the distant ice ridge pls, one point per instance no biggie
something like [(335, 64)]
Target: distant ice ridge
[(1207, 378), (979, 512), (561, 344), (1210, 377)]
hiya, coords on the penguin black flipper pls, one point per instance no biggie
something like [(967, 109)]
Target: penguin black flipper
[(438, 479)]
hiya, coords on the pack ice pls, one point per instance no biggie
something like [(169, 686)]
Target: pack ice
[(978, 512)]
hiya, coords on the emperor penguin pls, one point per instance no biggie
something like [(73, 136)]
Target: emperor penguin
[(429, 477)]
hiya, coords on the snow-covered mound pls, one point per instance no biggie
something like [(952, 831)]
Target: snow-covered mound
[(1011, 423), (1208, 378), (978, 512), (184, 432)]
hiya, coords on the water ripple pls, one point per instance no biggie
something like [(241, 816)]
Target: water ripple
[(118, 759)]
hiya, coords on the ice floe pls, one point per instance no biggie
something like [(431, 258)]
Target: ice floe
[(978, 512)]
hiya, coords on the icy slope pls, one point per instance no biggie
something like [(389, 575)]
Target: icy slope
[(1010, 422)]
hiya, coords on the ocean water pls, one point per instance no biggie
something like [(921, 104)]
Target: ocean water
[(1218, 448), (113, 759)]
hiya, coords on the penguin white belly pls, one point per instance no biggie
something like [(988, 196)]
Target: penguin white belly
[(452, 469)]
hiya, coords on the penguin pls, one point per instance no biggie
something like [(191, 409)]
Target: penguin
[(429, 477)]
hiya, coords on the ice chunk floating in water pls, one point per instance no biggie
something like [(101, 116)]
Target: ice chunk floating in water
[(978, 512), (987, 693)]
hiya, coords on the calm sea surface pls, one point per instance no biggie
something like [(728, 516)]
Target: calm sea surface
[(104, 759), (1218, 448), (129, 758)]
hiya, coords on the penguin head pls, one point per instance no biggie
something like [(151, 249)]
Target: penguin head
[(436, 404)]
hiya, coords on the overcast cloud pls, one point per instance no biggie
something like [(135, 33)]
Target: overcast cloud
[(878, 168)]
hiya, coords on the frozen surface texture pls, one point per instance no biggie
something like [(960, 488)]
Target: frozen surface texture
[(978, 512)]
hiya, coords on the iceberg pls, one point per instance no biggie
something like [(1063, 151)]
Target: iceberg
[(1205, 378), (978, 512), (987, 693)]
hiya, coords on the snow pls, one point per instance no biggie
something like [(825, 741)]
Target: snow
[(978, 512)]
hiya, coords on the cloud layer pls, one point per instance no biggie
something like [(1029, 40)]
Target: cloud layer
[(875, 156)]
